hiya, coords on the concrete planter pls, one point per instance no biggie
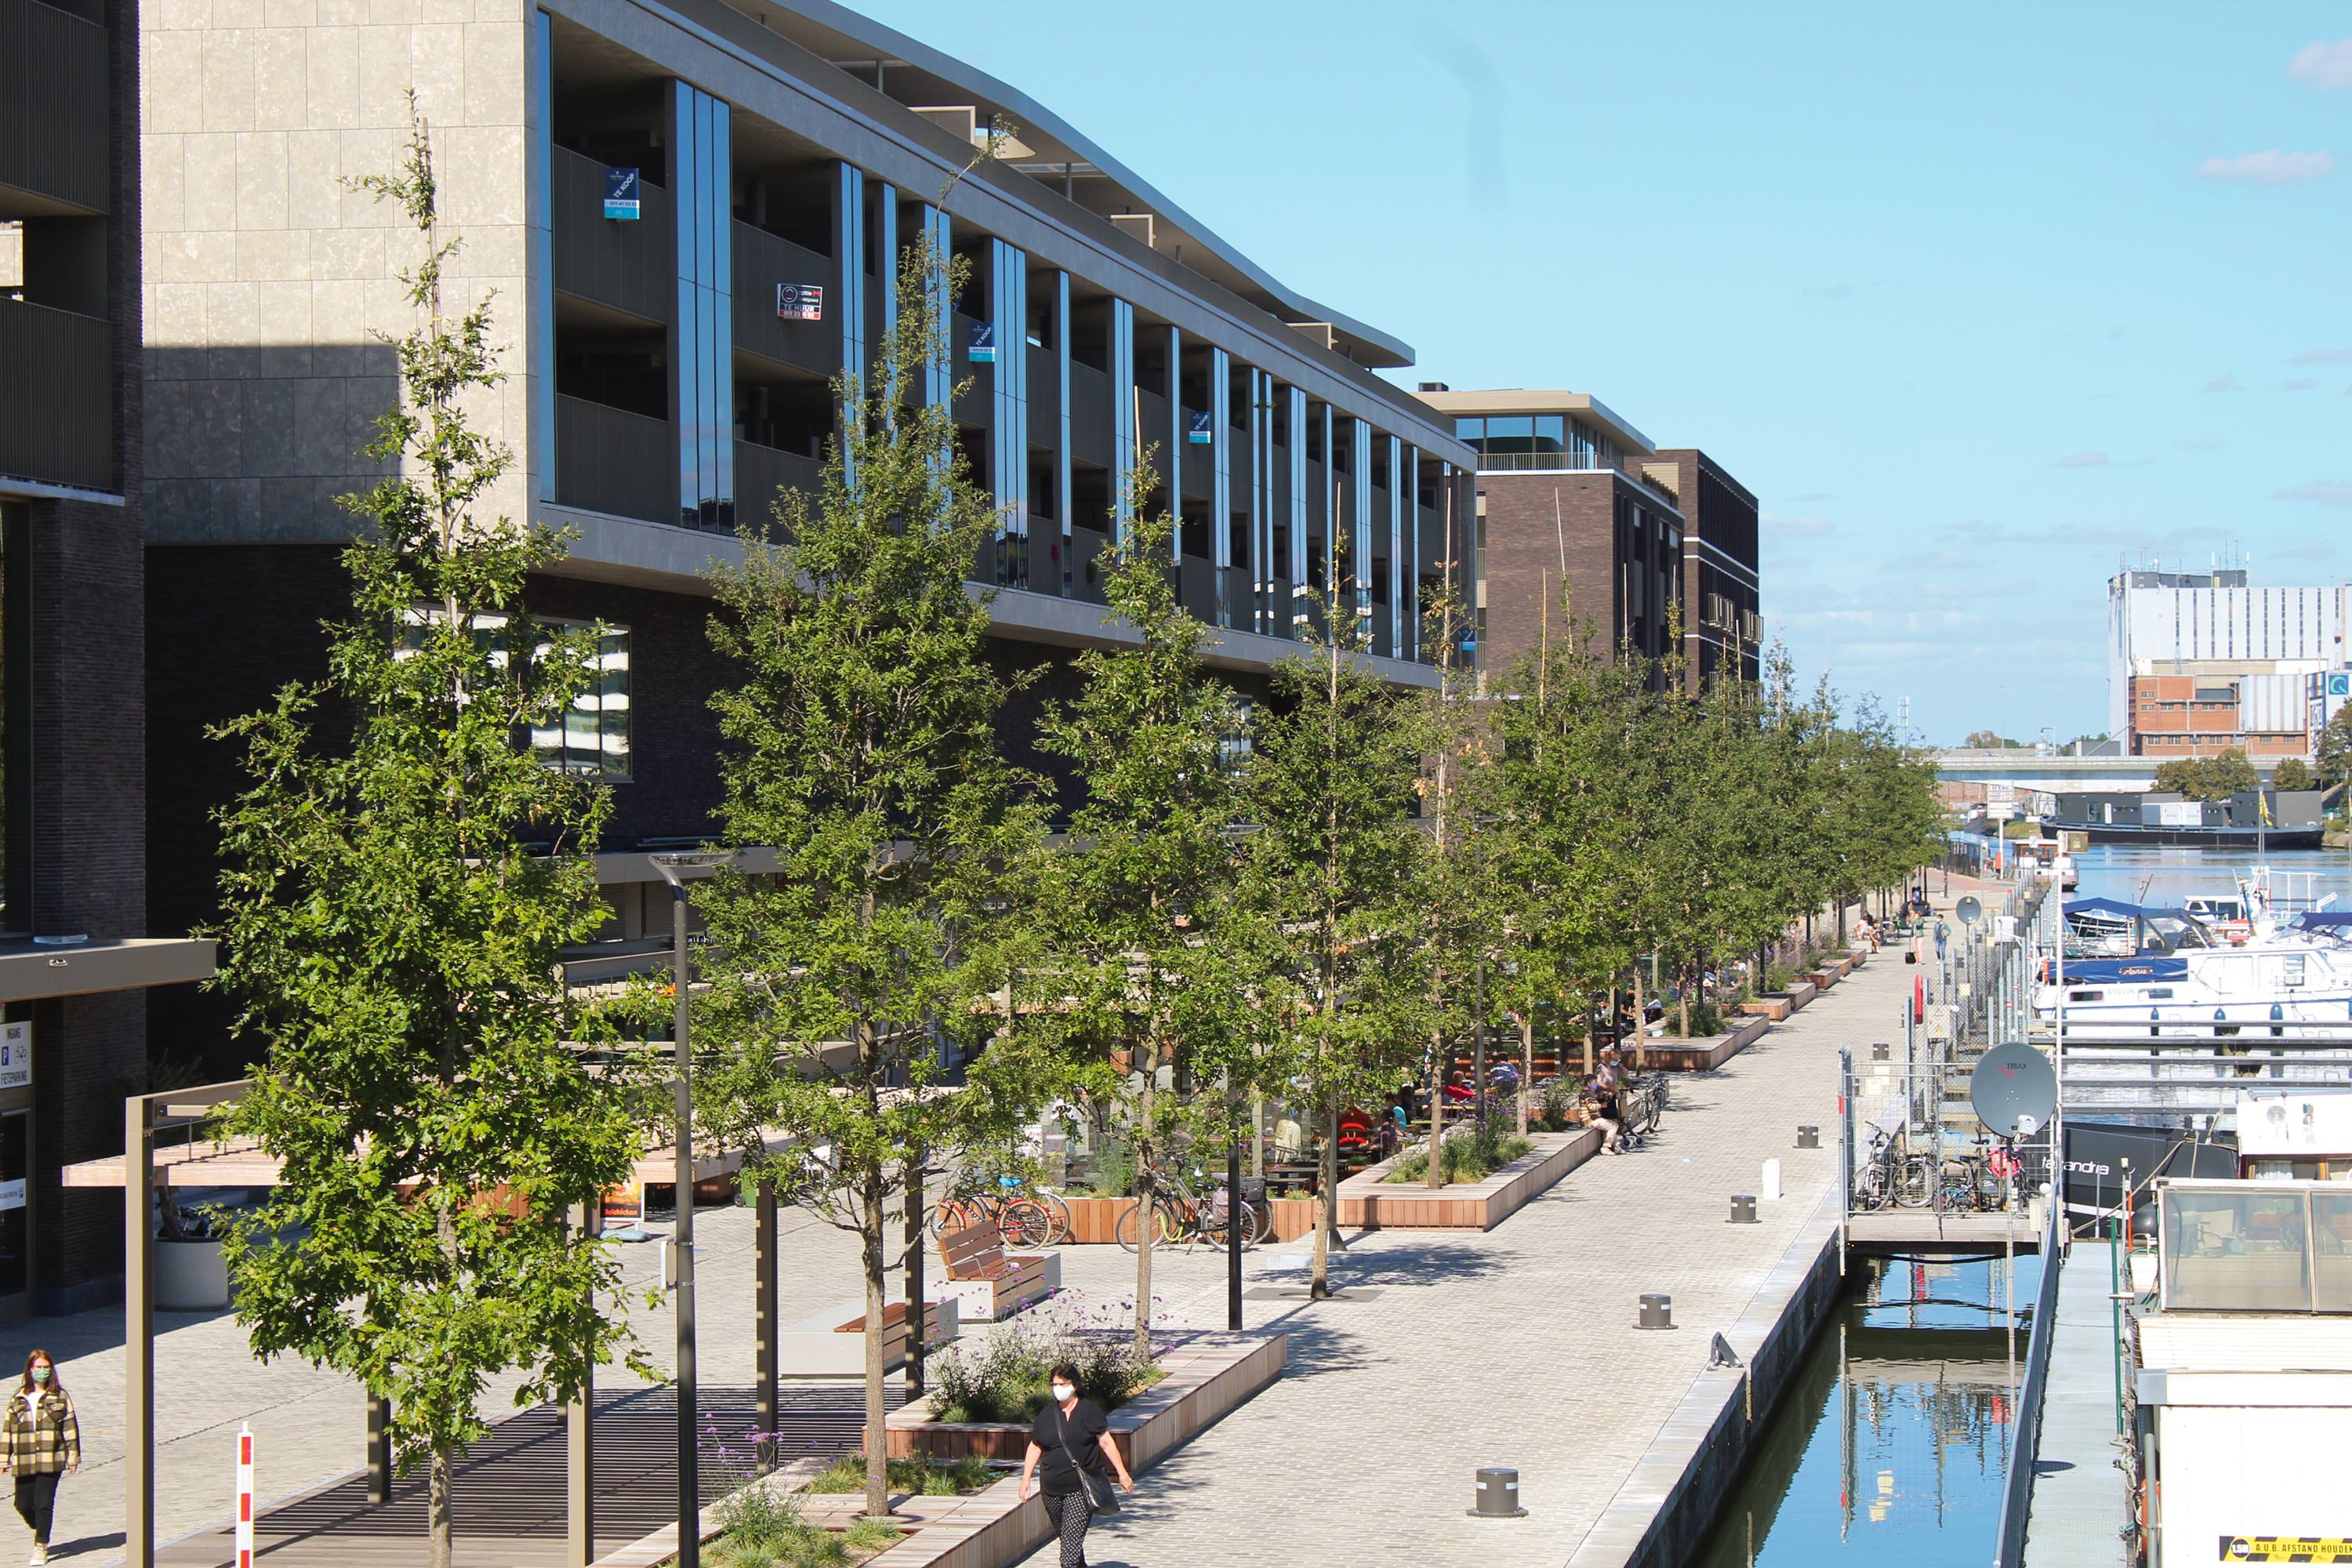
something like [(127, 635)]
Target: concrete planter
[(1204, 1381), (1370, 1202), (189, 1276), (1705, 1055)]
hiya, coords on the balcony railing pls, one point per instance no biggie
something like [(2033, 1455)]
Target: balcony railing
[(762, 260), (1545, 462), (628, 264), (761, 472), (611, 460), (53, 104), (57, 396)]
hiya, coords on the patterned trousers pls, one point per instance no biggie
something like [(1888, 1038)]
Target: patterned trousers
[(1070, 1512)]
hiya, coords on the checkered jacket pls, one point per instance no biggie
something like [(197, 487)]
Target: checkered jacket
[(45, 1445)]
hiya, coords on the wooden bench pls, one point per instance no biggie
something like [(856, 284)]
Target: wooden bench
[(832, 1343), (990, 1283)]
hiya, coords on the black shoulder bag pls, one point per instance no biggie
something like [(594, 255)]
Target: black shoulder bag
[(1102, 1496)]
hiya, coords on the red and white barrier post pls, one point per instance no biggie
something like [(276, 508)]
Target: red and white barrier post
[(244, 1496)]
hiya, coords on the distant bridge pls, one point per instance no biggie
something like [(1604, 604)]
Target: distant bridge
[(2023, 768)]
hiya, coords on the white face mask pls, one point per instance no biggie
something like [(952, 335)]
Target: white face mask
[(1063, 1391)]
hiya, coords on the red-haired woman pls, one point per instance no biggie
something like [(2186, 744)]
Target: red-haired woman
[(40, 1440)]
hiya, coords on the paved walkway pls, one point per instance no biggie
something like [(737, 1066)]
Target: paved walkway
[(2082, 1502), (1516, 1348)]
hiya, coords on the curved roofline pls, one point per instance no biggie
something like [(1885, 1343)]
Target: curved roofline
[(1035, 122)]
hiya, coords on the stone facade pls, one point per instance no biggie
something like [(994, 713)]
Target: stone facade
[(267, 276)]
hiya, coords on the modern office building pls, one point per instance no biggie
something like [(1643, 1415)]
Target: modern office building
[(74, 959), (1569, 493), (2203, 662), (691, 214)]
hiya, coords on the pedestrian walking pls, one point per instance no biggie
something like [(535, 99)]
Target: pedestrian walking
[(1069, 1447), (40, 1441)]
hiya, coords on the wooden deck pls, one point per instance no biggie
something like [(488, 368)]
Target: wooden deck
[(1926, 1231), (507, 1499)]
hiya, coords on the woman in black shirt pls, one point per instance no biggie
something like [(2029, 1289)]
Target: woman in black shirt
[(1070, 1436)]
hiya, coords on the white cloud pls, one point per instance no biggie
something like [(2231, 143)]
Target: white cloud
[(2272, 168), (2325, 492), (2224, 383), (1810, 525), (2082, 460), (2300, 383), (2322, 65), (2325, 356)]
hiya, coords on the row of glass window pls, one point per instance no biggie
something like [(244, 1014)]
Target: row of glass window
[(1529, 434)]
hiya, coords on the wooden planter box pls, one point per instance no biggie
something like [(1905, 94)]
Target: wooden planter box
[(1820, 979), (1094, 1221), (1205, 1379), (1369, 1202), (1705, 1055)]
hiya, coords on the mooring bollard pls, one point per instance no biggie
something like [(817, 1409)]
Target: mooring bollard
[(1743, 1208), (1499, 1496), (1657, 1311), (1807, 1136), (1879, 1049)]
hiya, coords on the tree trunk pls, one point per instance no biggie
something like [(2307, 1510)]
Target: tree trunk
[(438, 1531), (1435, 1175), (1683, 972), (1641, 1016), (1327, 1200), (1147, 1185), (878, 1446), (917, 1170), (1526, 1063)]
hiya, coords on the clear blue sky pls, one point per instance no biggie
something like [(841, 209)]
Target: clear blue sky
[(1977, 299)]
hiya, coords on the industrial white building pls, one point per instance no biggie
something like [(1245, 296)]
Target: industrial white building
[(2202, 662)]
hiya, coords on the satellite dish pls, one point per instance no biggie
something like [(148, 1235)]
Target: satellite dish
[(1969, 909), (2014, 1090)]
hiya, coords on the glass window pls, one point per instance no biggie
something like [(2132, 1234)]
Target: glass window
[(593, 738), (1471, 430), (1551, 433), (2331, 1235), (2242, 1251)]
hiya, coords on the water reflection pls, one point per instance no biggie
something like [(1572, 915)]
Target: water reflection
[(1893, 1445)]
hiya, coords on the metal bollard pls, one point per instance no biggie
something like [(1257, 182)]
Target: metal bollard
[(1657, 1311), (1879, 1051), (1743, 1208), (1807, 1136), (1499, 1496)]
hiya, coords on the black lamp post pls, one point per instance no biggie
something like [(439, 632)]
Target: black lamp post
[(675, 870)]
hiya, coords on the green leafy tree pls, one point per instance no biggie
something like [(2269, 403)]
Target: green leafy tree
[(2336, 750), (1150, 953), (862, 743), (2213, 778), (396, 946), (1336, 868), (2293, 773)]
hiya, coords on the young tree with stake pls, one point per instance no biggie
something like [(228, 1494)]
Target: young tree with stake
[(396, 946)]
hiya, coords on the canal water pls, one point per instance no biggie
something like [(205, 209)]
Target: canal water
[(1892, 1446), (2145, 874)]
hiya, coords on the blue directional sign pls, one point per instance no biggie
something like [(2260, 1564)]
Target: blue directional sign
[(982, 347)]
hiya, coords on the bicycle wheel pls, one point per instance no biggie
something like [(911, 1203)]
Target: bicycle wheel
[(953, 1213), (1124, 1231), (1024, 1225), (1918, 1187), (1057, 1218)]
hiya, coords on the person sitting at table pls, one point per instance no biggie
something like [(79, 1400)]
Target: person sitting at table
[(1457, 1089)]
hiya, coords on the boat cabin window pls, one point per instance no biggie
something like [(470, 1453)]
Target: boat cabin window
[(2085, 995), (2268, 1170), (2158, 992), (2294, 961)]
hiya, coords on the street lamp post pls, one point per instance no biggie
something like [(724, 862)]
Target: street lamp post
[(675, 869)]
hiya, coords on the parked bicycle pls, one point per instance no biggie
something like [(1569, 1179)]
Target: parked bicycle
[(1028, 1221), (1641, 1106), (1196, 1216)]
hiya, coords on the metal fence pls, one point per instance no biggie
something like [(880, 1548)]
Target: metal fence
[(2017, 1495)]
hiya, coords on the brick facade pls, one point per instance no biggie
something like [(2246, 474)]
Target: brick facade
[(1606, 531)]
